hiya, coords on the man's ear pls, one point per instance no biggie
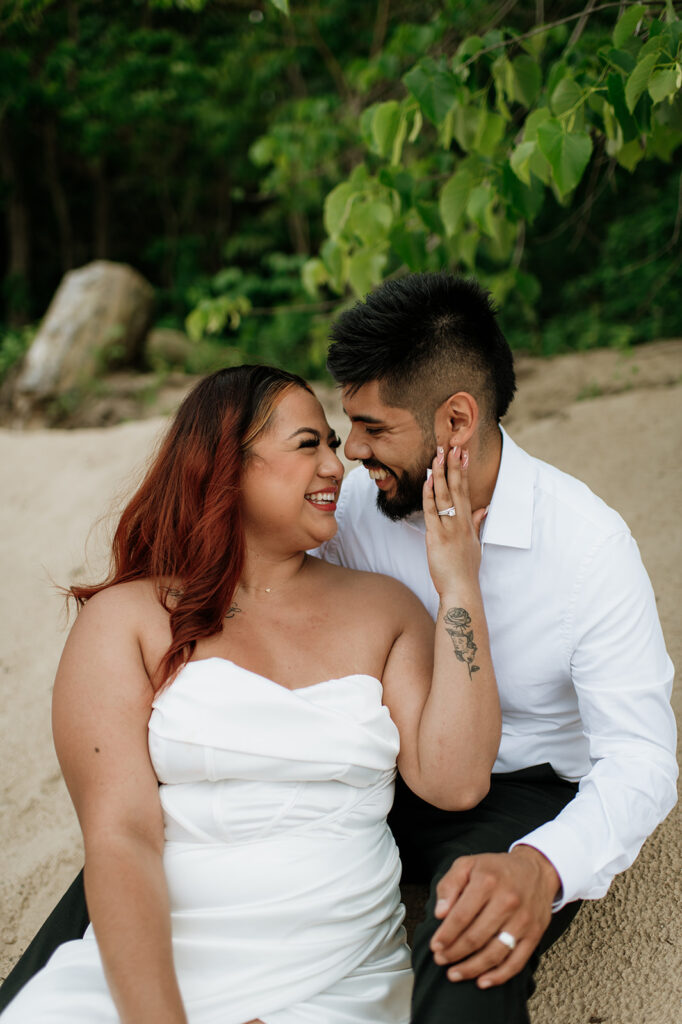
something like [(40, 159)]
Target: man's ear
[(456, 420)]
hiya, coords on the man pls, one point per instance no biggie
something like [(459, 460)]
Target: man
[(586, 767), (583, 675)]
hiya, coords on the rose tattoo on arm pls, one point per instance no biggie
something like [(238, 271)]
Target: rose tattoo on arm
[(457, 622)]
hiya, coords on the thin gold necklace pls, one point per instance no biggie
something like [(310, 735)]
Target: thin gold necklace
[(268, 590)]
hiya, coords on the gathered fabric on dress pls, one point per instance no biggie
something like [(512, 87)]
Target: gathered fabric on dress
[(281, 870)]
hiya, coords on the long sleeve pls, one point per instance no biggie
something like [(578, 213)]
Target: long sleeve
[(622, 677)]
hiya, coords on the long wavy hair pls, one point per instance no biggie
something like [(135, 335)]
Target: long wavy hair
[(184, 522)]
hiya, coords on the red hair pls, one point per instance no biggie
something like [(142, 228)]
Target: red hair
[(184, 522)]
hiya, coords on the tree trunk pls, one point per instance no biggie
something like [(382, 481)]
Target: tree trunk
[(16, 284), (100, 225), (58, 197)]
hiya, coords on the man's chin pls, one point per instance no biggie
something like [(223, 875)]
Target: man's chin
[(398, 506)]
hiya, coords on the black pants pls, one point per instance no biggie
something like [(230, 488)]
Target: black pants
[(429, 841)]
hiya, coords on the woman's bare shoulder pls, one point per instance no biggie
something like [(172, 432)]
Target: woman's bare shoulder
[(372, 588)]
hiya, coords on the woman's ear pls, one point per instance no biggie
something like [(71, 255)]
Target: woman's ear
[(456, 420)]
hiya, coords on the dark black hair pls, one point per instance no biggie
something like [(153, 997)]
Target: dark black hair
[(424, 337)]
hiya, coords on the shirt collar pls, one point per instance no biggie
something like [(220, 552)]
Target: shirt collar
[(510, 518)]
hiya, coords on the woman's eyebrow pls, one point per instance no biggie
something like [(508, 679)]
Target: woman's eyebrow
[(306, 430)]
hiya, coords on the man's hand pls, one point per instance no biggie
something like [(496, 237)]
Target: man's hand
[(483, 895)]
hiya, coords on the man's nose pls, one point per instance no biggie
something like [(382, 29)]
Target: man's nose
[(356, 447)]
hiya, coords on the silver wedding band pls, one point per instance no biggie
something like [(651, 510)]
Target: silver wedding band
[(452, 511), (508, 940)]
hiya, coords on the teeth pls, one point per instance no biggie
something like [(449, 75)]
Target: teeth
[(378, 474), (322, 497)]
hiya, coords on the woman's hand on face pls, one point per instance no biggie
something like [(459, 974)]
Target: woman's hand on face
[(452, 543)]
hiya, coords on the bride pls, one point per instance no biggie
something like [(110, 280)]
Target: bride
[(228, 712)]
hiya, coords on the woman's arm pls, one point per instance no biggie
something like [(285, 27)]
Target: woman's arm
[(445, 700), (101, 708)]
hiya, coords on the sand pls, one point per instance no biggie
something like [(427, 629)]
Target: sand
[(614, 420)]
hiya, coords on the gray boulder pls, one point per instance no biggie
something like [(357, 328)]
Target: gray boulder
[(99, 317)]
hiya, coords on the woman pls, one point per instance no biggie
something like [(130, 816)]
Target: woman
[(219, 721)]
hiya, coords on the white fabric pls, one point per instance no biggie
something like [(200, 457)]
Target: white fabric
[(582, 670), (282, 873)]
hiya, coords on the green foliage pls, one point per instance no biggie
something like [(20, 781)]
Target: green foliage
[(483, 139), (262, 164), (13, 344)]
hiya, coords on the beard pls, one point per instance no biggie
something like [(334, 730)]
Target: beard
[(407, 498)]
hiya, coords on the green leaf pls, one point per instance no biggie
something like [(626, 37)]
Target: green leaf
[(434, 88), (525, 200), (480, 208), (463, 247), (489, 132), (410, 246), (453, 199), (534, 119), (337, 207), (385, 124), (616, 93), (663, 141), (281, 5), (371, 221), (469, 47), (662, 84), (568, 154), (630, 154), (313, 274), (620, 59), (520, 161), (334, 259), (565, 97), (465, 122), (639, 80), (627, 23), (526, 80), (365, 270)]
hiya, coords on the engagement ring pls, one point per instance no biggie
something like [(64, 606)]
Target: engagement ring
[(452, 511)]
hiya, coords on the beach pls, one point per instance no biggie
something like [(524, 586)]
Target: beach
[(612, 419)]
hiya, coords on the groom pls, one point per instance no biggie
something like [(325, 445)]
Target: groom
[(586, 767)]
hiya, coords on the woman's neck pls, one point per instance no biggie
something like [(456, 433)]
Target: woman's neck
[(266, 573)]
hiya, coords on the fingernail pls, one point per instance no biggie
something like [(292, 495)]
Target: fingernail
[(484, 984), (439, 959), (454, 449), (441, 455), (441, 906), (454, 976), (465, 459)]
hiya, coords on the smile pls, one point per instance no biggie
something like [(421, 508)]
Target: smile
[(376, 473), (322, 499)]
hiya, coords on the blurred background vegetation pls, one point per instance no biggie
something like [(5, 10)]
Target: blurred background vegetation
[(263, 166)]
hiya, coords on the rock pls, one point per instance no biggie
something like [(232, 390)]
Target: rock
[(167, 347), (99, 316)]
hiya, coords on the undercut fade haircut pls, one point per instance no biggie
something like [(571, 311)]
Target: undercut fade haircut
[(425, 337)]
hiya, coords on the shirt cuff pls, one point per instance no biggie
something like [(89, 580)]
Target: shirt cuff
[(557, 843)]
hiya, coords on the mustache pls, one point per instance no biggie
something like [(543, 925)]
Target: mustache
[(373, 464)]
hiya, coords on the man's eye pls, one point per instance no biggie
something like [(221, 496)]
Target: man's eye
[(373, 431)]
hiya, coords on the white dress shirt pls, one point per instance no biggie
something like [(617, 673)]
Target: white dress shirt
[(581, 666)]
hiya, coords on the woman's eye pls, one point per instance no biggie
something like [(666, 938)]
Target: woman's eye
[(336, 443), (312, 442)]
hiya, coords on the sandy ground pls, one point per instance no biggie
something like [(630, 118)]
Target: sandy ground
[(613, 420)]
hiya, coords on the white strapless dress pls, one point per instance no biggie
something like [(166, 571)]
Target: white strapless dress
[(282, 872)]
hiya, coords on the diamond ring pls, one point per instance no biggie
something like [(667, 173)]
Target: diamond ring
[(452, 511)]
